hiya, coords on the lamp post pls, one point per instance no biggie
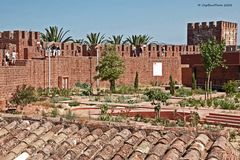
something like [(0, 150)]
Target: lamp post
[(49, 68), (90, 71), (97, 48)]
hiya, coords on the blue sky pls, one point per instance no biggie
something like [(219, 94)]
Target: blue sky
[(165, 20)]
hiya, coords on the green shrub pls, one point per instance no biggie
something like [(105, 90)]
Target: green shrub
[(54, 112), (183, 92), (118, 118), (156, 94), (184, 103), (65, 92), (230, 87), (55, 91), (104, 108), (161, 121), (59, 99), (125, 90), (104, 116), (131, 101), (122, 99), (180, 123), (70, 115), (73, 103), (86, 89), (227, 104), (42, 91), (209, 102), (24, 95), (232, 135), (138, 117), (191, 102), (107, 99), (215, 103)]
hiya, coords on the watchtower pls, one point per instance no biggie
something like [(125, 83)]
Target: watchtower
[(221, 30)]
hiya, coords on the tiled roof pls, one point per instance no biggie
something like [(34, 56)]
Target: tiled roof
[(40, 140)]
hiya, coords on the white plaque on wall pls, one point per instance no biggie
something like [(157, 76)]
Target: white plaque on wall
[(157, 69)]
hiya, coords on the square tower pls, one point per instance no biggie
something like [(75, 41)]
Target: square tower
[(221, 30)]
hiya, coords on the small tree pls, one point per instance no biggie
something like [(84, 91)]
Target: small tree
[(194, 82), (110, 67), (157, 95), (136, 82), (212, 53), (157, 110), (194, 119), (172, 85)]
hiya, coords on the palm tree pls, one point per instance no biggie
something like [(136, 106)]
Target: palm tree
[(115, 39), (94, 39), (137, 40), (80, 41), (53, 34)]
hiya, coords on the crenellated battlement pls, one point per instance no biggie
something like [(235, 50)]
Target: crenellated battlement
[(211, 25), (220, 30), (20, 35), (28, 46)]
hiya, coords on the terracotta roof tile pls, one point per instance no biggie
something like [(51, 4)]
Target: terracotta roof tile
[(125, 151), (118, 157), (172, 154), (137, 156), (168, 138), (192, 155), (144, 147), (221, 149), (40, 140), (159, 149)]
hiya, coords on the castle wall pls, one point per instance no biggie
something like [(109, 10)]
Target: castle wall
[(218, 77), (35, 73)]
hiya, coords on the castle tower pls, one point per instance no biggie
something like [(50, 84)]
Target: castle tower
[(201, 32)]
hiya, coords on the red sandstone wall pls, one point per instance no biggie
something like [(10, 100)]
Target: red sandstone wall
[(35, 72), (187, 77), (76, 65), (219, 75)]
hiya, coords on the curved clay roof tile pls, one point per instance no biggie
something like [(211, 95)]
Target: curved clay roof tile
[(97, 132), (47, 136), (179, 145), (192, 155), (203, 138), (125, 133), (11, 125), (159, 149), (168, 138), (125, 151), (111, 133), (59, 138), (34, 126)]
